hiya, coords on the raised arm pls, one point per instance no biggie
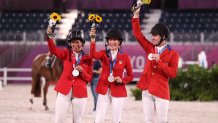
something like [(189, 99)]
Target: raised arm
[(137, 31), (93, 52), (53, 48)]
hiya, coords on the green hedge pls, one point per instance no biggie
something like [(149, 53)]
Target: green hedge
[(137, 93), (195, 83)]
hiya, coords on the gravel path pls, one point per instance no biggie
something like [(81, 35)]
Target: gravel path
[(14, 109)]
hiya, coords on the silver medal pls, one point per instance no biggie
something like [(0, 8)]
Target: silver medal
[(75, 73), (110, 78), (150, 56)]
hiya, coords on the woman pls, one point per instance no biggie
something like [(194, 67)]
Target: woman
[(111, 85), (77, 72)]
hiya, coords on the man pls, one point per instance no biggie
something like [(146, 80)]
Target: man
[(49, 60), (161, 64)]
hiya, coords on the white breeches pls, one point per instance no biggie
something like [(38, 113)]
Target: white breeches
[(152, 103), (102, 105), (62, 105)]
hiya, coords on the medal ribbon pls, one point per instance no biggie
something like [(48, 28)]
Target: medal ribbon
[(161, 51), (112, 62), (78, 60)]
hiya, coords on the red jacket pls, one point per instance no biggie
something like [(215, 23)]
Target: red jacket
[(67, 81), (155, 76), (123, 62)]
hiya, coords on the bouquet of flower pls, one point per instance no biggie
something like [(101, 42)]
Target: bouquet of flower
[(139, 3), (53, 19), (94, 19)]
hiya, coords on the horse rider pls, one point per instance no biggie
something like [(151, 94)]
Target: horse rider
[(77, 72), (111, 86), (49, 60), (161, 65)]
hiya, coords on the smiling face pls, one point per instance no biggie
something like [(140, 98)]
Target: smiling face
[(76, 45), (113, 43), (156, 40)]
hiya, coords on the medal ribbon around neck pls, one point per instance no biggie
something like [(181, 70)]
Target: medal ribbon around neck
[(161, 51), (112, 62), (78, 60)]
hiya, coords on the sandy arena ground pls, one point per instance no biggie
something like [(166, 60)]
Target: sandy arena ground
[(14, 109)]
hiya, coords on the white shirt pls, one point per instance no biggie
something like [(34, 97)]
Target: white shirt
[(160, 48), (114, 54), (76, 55)]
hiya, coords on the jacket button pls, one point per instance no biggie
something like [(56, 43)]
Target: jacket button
[(152, 73), (155, 66)]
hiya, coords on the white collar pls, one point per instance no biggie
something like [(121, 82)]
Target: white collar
[(76, 55), (114, 52), (160, 48)]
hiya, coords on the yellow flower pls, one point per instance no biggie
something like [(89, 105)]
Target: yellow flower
[(55, 16), (91, 17), (98, 19), (146, 1)]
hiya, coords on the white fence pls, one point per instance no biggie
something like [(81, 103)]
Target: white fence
[(5, 78)]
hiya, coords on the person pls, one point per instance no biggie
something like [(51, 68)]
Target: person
[(49, 60), (161, 64), (111, 85), (95, 77), (77, 72)]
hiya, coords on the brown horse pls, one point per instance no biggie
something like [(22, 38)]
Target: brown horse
[(39, 70)]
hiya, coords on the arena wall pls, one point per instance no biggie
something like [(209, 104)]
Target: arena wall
[(137, 54)]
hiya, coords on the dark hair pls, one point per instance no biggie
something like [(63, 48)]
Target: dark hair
[(113, 33), (160, 29)]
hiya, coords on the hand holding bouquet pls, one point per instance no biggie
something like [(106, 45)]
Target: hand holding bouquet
[(138, 3), (53, 19), (94, 19)]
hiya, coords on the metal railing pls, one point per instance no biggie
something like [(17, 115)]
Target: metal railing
[(5, 78)]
